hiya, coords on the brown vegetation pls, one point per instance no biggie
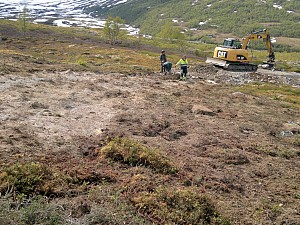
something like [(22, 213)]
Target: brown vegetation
[(94, 135)]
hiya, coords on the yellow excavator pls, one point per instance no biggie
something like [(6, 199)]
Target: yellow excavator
[(233, 54)]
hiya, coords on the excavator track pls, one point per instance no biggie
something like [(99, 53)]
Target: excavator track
[(242, 67), (232, 66)]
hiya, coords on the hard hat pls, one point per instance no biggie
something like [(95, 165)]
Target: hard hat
[(162, 50)]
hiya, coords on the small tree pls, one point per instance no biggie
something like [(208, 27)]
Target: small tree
[(112, 29), (169, 31), (23, 19), (173, 33)]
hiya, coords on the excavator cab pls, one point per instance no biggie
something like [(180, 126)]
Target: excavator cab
[(232, 43)]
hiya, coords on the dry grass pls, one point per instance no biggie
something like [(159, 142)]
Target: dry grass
[(287, 95), (295, 42)]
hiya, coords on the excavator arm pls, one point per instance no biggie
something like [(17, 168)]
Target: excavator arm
[(263, 34)]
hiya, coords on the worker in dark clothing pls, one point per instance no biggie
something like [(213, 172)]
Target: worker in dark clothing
[(163, 60)]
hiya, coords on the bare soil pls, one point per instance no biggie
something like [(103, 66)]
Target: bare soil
[(229, 144)]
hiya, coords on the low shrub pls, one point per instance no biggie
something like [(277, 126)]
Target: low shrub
[(132, 152), (112, 208), (170, 206), (25, 178), (27, 211), (120, 214), (7, 216), (39, 211)]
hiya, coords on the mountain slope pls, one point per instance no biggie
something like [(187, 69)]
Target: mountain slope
[(229, 16)]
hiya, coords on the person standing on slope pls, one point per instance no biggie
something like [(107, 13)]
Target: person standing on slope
[(183, 62), (163, 60)]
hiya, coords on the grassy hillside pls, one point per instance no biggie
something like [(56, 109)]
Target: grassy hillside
[(228, 16)]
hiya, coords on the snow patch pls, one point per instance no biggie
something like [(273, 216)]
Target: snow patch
[(40, 21), (277, 6), (64, 13)]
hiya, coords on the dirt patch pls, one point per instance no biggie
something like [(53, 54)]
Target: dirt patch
[(221, 137)]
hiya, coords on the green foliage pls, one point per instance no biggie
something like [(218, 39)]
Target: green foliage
[(36, 210), (229, 16), (131, 11), (81, 61), (202, 54), (286, 48), (134, 153), (113, 208), (287, 94), (23, 20), (169, 206), (169, 31), (286, 29), (260, 45), (78, 60), (26, 179), (119, 215), (39, 211), (112, 29), (7, 216)]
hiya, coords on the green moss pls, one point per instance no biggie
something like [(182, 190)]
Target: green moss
[(26, 179), (170, 206), (132, 152)]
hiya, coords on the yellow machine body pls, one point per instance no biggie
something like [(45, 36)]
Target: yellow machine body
[(233, 54)]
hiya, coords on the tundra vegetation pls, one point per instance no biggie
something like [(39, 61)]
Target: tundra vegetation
[(161, 157)]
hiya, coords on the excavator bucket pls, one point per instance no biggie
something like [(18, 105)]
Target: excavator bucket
[(216, 62), (267, 65)]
